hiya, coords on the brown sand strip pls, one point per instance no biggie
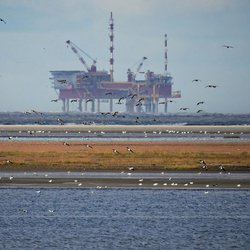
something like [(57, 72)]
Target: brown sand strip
[(40, 155)]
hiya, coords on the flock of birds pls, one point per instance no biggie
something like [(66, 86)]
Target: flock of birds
[(138, 102)]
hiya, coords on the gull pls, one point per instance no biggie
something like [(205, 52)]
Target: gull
[(50, 180), (141, 99), (204, 164), (54, 100), (199, 103), (227, 46), (196, 80), (132, 95), (9, 162), (166, 102), (115, 113), (62, 81), (200, 110), (115, 151), (222, 168), (73, 100), (108, 93), (1, 20), (51, 211), (211, 86), (89, 100), (89, 146), (131, 169), (121, 99), (11, 177), (130, 150), (60, 120), (184, 109), (66, 144)]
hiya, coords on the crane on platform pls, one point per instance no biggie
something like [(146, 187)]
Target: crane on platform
[(76, 50), (131, 75)]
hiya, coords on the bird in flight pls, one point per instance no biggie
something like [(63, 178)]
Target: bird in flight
[(55, 100), (130, 150), (227, 46), (73, 100), (132, 95), (196, 80), (198, 103), (222, 168), (1, 20), (200, 110), (211, 86), (89, 100), (184, 109)]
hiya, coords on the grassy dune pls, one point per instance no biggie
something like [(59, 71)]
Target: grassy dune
[(147, 156)]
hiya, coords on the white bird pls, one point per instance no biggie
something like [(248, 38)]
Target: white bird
[(115, 151), (222, 168), (130, 150), (131, 169)]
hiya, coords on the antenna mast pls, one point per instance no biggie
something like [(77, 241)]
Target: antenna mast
[(111, 49), (166, 54)]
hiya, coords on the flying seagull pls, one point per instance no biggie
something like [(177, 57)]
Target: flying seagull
[(115, 151), (222, 168), (1, 20), (198, 103), (227, 46), (200, 110), (130, 150), (184, 109), (211, 86), (196, 80)]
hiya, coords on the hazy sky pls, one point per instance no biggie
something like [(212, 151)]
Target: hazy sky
[(33, 43)]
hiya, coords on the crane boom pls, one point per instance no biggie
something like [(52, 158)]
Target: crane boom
[(75, 49)]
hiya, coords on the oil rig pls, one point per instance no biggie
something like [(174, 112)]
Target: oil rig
[(91, 86)]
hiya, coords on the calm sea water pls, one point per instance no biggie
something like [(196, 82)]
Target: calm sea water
[(87, 218)]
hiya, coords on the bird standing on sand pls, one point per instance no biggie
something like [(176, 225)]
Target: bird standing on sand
[(66, 144), (115, 151), (204, 164), (131, 169), (89, 146)]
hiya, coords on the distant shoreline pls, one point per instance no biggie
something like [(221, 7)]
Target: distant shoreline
[(129, 128)]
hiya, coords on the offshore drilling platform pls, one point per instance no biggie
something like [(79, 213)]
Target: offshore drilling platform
[(92, 86)]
